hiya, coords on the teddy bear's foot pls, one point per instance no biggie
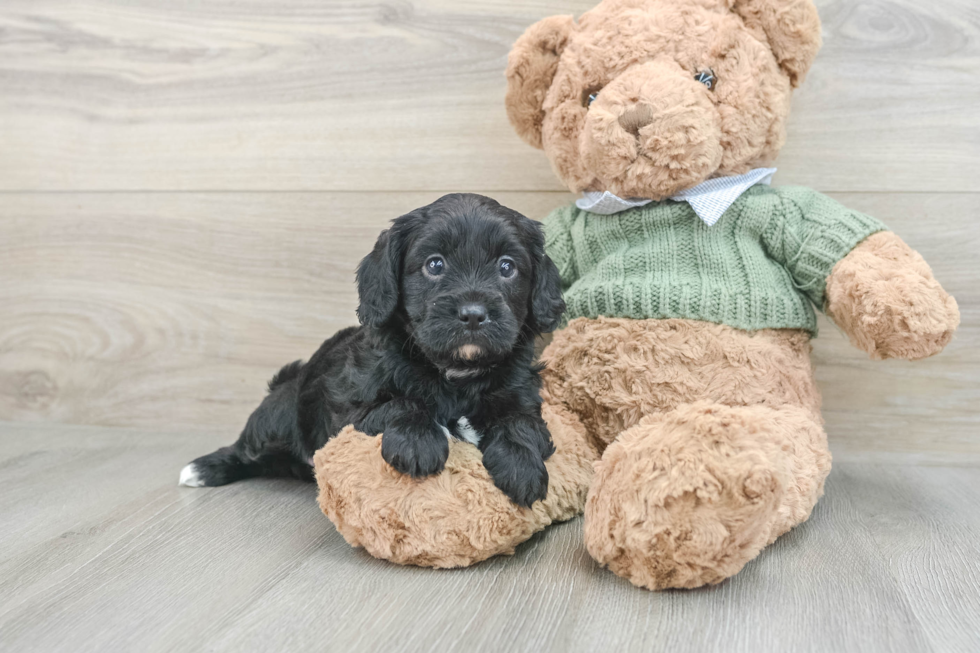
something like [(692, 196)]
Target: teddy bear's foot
[(455, 518), (686, 498)]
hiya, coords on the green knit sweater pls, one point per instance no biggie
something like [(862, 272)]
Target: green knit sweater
[(764, 264)]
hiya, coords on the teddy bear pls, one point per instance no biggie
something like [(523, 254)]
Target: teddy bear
[(680, 393), (691, 282)]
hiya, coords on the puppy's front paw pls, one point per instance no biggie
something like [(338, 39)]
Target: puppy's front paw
[(415, 450), (518, 471)]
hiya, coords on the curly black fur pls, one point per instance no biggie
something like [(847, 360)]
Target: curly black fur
[(419, 363)]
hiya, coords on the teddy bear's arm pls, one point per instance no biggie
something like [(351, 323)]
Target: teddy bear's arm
[(883, 295), (873, 285)]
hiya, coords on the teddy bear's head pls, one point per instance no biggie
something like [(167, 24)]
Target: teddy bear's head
[(645, 98)]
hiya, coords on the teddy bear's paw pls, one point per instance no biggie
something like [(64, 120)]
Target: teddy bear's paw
[(884, 296), (687, 498), (452, 519)]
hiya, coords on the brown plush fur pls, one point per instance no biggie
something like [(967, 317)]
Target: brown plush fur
[(645, 53), (790, 27), (711, 438), (715, 443), (530, 71), (883, 295), (719, 483), (454, 519), (615, 371)]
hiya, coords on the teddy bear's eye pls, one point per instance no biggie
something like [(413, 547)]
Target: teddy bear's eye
[(589, 96), (707, 77)]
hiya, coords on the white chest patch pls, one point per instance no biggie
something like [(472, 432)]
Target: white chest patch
[(464, 432)]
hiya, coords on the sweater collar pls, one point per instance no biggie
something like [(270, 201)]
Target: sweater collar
[(709, 199)]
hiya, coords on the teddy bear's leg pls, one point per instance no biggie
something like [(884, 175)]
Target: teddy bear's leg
[(685, 498), (453, 519)]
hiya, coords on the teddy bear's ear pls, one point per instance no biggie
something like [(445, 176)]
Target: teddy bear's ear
[(531, 68), (792, 29)]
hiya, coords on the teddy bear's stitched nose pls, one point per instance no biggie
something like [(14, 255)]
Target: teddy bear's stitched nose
[(633, 120)]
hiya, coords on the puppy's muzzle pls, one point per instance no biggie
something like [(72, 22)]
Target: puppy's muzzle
[(468, 326)]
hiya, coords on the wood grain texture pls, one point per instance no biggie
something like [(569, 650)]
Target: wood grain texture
[(408, 95), (99, 550), (173, 310)]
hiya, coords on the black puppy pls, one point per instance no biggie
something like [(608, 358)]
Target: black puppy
[(451, 300)]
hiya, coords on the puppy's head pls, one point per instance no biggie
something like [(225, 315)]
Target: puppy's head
[(465, 278)]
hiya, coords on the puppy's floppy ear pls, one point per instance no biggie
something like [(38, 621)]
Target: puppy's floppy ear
[(531, 68), (379, 274), (791, 27), (546, 303)]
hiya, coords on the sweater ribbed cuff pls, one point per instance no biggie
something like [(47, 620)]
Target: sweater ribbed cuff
[(826, 247)]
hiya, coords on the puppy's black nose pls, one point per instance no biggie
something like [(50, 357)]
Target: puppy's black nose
[(474, 315)]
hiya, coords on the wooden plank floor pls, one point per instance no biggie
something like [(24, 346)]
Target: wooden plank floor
[(101, 551)]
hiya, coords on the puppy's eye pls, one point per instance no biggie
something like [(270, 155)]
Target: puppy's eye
[(707, 77), (434, 266), (507, 267)]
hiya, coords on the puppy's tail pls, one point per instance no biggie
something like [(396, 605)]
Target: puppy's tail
[(226, 465), (285, 375), (229, 464), (266, 445)]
